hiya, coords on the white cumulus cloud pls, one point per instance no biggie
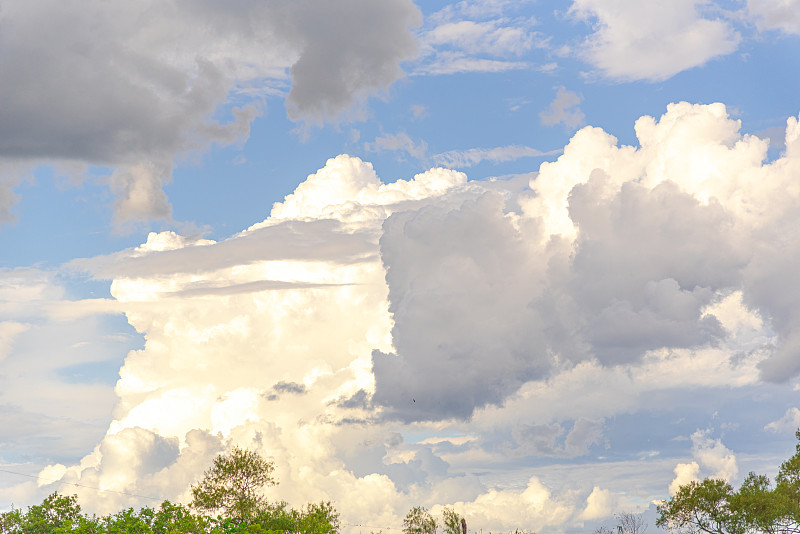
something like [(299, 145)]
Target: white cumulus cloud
[(652, 40)]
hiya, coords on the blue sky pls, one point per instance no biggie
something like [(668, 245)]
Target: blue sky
[(531, 260)]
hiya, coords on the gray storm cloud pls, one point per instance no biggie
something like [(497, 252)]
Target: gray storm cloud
[(132, 86), (460, 283), (617, 252)]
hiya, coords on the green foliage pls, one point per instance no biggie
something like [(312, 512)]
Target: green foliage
[(713, 507), (320, 518), (177, 519), (233, 485), (10, 521), (419, 521), (277, 517), (128, 521), (57, 513), (60, 514), (700, 507), (451, 521)]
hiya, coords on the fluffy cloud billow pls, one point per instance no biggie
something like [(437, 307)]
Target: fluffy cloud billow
[(614, 252), (503, 325)]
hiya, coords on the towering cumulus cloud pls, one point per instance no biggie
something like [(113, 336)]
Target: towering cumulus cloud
[(361, 313)]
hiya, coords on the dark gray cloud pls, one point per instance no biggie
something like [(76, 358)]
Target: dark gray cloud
[(369, 38), (291, 388), (460, 283), (359, 400), (481, 307), (132, 85), (550, 439), (646, 264), (368, 457), (772, 285)]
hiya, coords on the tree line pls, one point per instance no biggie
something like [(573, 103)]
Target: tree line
[(229, 500)]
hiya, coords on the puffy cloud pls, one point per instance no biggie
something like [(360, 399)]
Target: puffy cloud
[(432, 255), (711, 458), (534, 506), (599, 503), (604, 260), (638, 41), (776, 14), (370, 39), (788, 423), (139, 192), (564, 109), (714, 456), (684, 474), (348, 189), (134, 86)]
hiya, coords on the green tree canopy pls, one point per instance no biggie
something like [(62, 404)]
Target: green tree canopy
[(713, 507), (234, 484), (419, 521), (452, 522)]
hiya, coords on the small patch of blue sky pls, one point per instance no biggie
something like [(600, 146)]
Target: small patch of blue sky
[(103, 372), (60, 220)]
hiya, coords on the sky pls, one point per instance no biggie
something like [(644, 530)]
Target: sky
[(535, 261)]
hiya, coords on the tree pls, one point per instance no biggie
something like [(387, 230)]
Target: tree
[(321, 518), (277, 516), (419, 521), (10, 521), (233, 485), (173, 518), (713, 507), (701, 507), (452, 522), (629, 523), (57, 512)]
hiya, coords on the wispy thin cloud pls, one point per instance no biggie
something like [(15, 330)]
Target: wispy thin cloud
[(477, 37), (455, 63), (474, 156), (399, 142)]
